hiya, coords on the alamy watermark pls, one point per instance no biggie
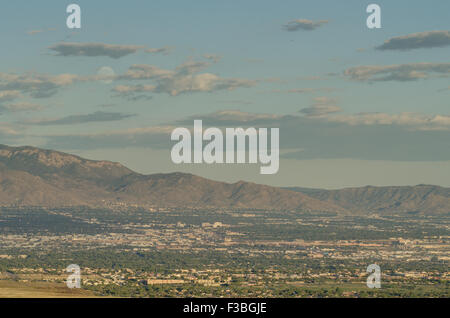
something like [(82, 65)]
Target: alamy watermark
[(73, 21), (374, 279), (374, 19), (74, 279), (234, 149)]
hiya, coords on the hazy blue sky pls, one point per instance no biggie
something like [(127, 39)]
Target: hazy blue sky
[(355, 106)]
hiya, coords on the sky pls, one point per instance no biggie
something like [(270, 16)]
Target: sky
[(355, 106)]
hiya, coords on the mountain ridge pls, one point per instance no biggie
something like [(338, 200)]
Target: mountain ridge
[(30, 176), (378, 199)]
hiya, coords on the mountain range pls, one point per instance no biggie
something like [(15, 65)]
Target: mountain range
[(31, 176)]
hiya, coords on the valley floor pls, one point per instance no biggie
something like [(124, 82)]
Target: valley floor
[(221, 253)]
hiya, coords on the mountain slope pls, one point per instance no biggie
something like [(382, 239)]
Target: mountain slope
[(38, 177), (180, 189), (31, 176), (48, 164), (414, 199)]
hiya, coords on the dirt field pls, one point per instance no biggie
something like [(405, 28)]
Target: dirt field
[(13, 289)]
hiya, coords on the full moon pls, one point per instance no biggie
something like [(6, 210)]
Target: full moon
[(106, 72)]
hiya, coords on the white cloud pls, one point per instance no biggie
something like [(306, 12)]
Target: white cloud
[(322, 106), (94, 49), (213, 57), (8, 95), (184, 79), (398, 72), (166, 50), (416, 121), (37, 85), (20, 107), (310, 90), (303, 24), (149, 137), (98, 116), (417, 40)]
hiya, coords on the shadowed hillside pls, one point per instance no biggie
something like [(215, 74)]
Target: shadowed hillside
[(427, 199), (33, 176)]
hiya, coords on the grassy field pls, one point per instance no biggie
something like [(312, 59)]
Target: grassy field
[(14, 289), (391, 289)]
